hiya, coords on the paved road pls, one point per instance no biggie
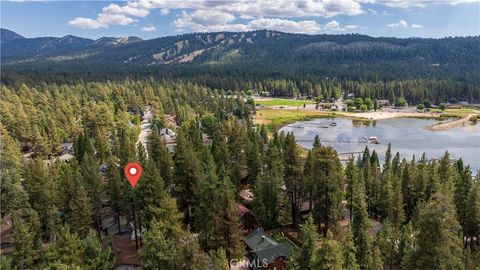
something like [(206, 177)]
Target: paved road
[(145, 128)]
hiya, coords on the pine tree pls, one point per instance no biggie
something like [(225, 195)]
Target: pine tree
[(12, 197), (360, 226), (266, 190), (292, 176), (67, 249), (396, 213), (189, 256), (254, 155), (96, 258), (472, 214), (158, 251), (126, 147), (433, 181), (385, 194), (42, 196), (188, 175), (405, 249), (329, 254), (227, 225), (351, 172), (157, 150), (153, 201), (463, 187), (316, 141), (349, 251), (219, 259), (116, 191), (265, 203), (141, 154), (387, 241), (24, 244), (208, 203), (438, 244), (93, 182), (80, 211), (237, 148), (307, 180), (303, 258), (388, 158), (376, 262), (328, 183)]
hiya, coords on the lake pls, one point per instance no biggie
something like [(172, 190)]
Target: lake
[(407, 136)]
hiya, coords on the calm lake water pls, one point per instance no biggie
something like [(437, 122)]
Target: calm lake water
[(407, 136)]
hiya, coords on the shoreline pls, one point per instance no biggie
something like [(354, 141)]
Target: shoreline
[(366, 116), (450, 124)]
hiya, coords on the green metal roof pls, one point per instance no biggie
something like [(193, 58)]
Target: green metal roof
[(265, 248)]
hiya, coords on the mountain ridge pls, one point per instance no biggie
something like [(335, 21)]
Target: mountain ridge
[(256, 53)]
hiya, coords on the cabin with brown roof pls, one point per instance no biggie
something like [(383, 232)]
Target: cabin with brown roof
[(248, 220)]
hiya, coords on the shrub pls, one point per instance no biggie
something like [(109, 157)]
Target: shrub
[(474, 119)]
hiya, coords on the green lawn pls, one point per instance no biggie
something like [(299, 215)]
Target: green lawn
[(273, 118), (283, 102)]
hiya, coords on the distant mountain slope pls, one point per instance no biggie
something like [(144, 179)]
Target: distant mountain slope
[(256, 53), (15, 46), (7, 35)]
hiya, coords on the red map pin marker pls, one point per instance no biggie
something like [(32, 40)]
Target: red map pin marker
[(133, 171)]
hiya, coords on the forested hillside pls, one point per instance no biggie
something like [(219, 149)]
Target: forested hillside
[(408, 213), (437, 68)]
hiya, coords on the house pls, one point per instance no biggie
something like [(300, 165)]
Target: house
[(248, 220), (168, 136), (167, 131), (207, 139), (171, 147), (383, 102), (63, 158), (246, 195), (266, 253), (305, 210), (67, 148), (170, 120)]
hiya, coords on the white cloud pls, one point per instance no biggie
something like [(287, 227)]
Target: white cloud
[(403, 23), (82, 22), (150, 28), (164, 11), (335, 26), (227, 10), (207, 21), (400, 23), (406, 4), (206, 15), (129, 10), (351, 26), (114, 19), (305, 27)]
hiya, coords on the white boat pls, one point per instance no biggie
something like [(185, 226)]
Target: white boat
[(372, 139)]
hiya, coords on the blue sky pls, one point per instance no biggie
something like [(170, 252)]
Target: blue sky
[(156, 18)]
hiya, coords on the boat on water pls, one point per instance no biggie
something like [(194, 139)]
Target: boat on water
[(372, 139), (333, 124)]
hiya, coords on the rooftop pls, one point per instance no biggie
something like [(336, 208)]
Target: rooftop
[(265, 248)]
